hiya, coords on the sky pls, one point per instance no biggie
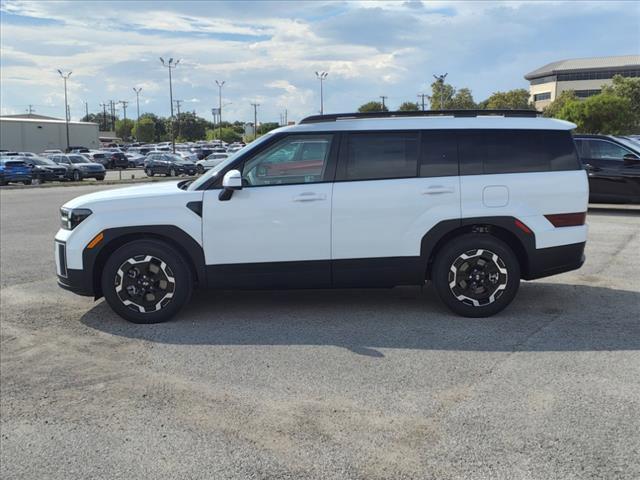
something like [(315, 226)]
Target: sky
[(268, 52)]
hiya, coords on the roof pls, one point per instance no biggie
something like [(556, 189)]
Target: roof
[(435, 123), (38, 120), (591, 63), (31, 115)]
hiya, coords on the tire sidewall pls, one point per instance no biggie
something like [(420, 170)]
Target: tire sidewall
[(166, 253), (448, 254)]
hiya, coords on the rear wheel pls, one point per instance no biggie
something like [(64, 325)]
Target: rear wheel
[(100, 179), (200, 169), (476, 275), (147, 281), (173, 173), (149, 172), (27, 182), (76, 176)]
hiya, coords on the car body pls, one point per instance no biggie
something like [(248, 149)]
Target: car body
[(52, 151), (44, 169), (211, 161), (613, 166), (473, 202), (135, 160), (168, 164), (79, 167), (14, 170), (116, 159)]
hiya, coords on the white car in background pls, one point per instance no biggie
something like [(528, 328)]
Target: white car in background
[(211, 161)]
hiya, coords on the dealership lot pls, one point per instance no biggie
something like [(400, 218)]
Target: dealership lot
[(320, 384)]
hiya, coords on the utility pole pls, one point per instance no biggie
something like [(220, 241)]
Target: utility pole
[(422, 96), (321, 76), (86, 109), (383, 97), (104, 116), (137, 90), (255, 119), (30, 110), (440, 80), (178, 103), (66, 104), (286, 119), (124, 110), (171, 65), (220, 85)]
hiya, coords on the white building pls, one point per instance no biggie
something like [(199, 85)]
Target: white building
[(585, 76), (39, 134)]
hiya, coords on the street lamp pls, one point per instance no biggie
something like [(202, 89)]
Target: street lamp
[(138, 90), (171, 65), (321, 76), (65, 76), (220, 85)]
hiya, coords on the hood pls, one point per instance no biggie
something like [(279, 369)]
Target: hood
[(155, 189)]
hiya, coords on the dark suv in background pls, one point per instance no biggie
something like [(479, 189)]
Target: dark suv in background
[(613, 166), (168, 164)]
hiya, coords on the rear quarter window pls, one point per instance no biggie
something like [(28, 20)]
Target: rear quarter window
[(516, 151)]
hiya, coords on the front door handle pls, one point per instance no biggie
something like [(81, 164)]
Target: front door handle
[(309, 197), (592, 168), (437, 190)]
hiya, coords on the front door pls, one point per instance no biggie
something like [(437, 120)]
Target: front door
[(275, 232)]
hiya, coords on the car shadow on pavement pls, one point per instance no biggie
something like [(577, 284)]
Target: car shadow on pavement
[(543, 317)]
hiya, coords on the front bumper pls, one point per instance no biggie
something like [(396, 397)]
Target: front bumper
[(544, 262), (79, 282)]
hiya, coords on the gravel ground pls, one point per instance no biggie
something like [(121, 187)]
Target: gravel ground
[(358, 384)]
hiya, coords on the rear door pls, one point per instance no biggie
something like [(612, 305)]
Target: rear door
[(391, 189)]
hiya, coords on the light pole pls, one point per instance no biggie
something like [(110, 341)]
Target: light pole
[(255, 119), (321, 76), (171, 65), (65, 76), (220, 85), (440, 80), (137, 90)]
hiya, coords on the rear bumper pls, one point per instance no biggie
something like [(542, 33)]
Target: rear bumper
[(544, 262)]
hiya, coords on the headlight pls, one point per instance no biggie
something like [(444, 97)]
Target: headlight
[(70, 218)]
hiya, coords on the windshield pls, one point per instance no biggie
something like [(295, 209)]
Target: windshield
[(43, 161), (222, 165), (78, 159), (630, 142)]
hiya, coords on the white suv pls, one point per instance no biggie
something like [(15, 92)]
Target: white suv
[(473, 201)]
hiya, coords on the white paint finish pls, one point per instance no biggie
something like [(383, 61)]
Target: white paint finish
[(161, 203), (495, 196), (388, 218), (276, 223), (531, 196)]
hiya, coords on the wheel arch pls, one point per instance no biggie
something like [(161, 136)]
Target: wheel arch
[(504, 228), (114, 238)]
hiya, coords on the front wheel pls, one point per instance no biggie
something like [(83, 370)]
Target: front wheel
[(27, 182), (476, 275), (76, 176), (100, 179), (173, 173), (200, 169), (149, 172), (146, 281)]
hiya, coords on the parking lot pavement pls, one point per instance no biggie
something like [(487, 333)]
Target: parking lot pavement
[(363, 384)]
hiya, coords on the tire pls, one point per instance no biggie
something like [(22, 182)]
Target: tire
[(149, 172), (77, 176), (100, 179), (491, 289), (27, 182), (173, 173), (165, 265), (200, 169)]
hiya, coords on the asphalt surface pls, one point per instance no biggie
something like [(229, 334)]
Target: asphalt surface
[(358, 384)]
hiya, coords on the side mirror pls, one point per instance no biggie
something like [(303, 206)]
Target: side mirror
[(231, 181), (631, 159)]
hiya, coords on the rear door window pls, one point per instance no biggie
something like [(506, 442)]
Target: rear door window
[(439, 154), (604, 150), (381, 155)]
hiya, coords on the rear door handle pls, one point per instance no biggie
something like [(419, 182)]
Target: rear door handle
[(437, 190), (309, 197)]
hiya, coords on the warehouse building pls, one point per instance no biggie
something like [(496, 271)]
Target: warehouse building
[(21, 134), (585, 76)]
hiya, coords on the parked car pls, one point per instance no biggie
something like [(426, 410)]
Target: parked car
[(45, 170), (51, 152), (79, 168), (613, 166), (14, 170), (472, 203), (135, 160), (116, 159), (168, 164), (211, 161)]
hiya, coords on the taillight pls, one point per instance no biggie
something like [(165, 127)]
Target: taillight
[(567, 219)]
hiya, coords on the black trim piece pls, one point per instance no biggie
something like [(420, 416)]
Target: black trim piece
[(289, 275), (78, 282), (377, 272), (195, 207), (427, 113), (553, 260)]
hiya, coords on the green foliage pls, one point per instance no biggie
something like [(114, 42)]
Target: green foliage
[(604, 113), (462, 100), (628, 88), (267, 127), (517, 99), (161, 133), (191, 127), (144, 130), (441, 95), (124, 128), (558, 104), (372, 107), (228, 135), (409, 107)]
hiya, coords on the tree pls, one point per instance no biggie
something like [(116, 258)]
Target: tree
[(191, 127), (409, 107), (517, 99), (144, 130), (124, 128), (628, 88), (441, 95), (100, 118), (160, 127), (558, 104), (603, 113), (229, 135), (462, 100), (372, 106), (267, 127)]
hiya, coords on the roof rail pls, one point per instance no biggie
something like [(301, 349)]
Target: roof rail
[(427, 113)]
